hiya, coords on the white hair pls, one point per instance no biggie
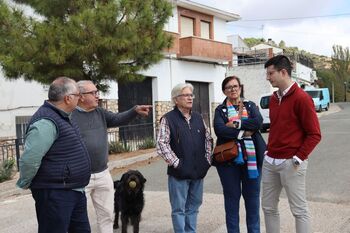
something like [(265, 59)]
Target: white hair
[(82, 84), (176, 91)]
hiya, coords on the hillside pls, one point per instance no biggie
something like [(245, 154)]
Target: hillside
[(320, 62)]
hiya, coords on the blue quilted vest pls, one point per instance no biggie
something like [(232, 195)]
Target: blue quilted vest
[(67, 163), (188, 143)]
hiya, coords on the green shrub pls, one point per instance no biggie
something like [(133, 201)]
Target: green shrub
[(117, 147), (148, 143), (6, 169)]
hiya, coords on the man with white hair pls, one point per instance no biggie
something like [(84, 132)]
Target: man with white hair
[(185, 144), (93, 122)]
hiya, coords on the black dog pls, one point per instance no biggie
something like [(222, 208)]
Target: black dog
[(129, 200)]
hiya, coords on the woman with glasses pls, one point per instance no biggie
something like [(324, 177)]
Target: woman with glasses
[(239, 120)]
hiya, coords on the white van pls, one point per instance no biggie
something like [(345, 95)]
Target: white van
[(264, 111)]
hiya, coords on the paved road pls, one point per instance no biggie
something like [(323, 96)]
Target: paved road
[(328, 177), (328, 185)]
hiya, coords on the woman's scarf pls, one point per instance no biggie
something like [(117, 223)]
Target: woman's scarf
[(241, 114)]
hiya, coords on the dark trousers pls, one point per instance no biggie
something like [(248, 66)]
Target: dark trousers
[(235, 182), (61, 211)]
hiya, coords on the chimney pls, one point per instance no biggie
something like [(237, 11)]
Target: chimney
[(269, 41)]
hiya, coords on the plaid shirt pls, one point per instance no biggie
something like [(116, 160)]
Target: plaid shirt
[(163, 143)]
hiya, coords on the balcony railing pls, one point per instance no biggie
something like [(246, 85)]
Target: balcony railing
[(205, 50)]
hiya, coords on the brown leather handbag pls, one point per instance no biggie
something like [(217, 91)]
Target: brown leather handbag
[(226, 151)]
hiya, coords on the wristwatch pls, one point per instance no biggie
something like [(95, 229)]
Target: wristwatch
[(296, 162)]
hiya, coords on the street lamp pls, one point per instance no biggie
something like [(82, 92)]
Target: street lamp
[(344, 91)]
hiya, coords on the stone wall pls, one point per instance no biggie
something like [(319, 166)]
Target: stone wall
[(109, 104), (161, 107)]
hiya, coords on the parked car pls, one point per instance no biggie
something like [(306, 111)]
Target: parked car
[(320, 96), (264, 111)]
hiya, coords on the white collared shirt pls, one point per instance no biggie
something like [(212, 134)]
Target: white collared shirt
[(284, 92)]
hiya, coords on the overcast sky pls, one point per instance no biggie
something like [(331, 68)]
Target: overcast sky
[(314, 34)]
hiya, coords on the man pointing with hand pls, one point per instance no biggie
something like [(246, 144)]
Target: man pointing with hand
[(93, 122)]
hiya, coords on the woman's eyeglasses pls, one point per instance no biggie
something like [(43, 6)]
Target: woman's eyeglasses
[(234, 87)]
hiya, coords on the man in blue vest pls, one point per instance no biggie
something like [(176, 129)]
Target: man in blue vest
[(55, 163), (185, 144)]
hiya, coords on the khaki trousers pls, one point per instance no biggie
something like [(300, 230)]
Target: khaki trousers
[(101, 191), (285, 175)]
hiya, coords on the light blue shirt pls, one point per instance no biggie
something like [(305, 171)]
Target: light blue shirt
[(40, 137)]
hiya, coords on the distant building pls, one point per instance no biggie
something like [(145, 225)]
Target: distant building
[(248, 65)]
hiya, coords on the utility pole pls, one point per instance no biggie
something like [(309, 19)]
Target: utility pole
[(332, 91), (344, 91)]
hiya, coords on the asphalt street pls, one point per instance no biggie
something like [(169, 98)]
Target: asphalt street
[(328, 190)]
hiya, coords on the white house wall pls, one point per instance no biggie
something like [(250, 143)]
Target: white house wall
[(220, 30), (253, 77), (18, 98), (303, 73), (112, 92), (170, 72), (172, 24)]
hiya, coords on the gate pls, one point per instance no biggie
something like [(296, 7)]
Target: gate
[(201, 102), (129, 95)]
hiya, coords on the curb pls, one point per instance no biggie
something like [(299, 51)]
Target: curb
[(8, 188), (128, 161)]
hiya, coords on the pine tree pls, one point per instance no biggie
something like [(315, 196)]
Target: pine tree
[(83, 39)]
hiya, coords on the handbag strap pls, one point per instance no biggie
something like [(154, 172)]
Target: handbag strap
[(240, 109)]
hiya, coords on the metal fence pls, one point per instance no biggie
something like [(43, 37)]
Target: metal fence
[(121, 139), (11, 149), (131, 137)]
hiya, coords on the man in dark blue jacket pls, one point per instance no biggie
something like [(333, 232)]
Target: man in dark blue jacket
[(55, 164)]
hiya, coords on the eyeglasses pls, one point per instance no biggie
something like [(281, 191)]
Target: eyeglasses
[(94, 93), (74, 94), (186, 95), (234, 87)]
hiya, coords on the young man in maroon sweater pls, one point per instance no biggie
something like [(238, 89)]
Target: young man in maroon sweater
[(294, 133)]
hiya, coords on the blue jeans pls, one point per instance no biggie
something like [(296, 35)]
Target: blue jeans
[(61, 211), (185, 199), (235, 181)]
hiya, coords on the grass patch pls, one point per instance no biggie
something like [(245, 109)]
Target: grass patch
[(6, 169), (147, 144), (117, 147)]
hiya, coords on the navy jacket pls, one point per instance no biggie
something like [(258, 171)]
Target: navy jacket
[(188, 143), (67, 164), (253, 123)]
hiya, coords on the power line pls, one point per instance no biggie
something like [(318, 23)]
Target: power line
[(242, 26), (305, 33), (294, 18)]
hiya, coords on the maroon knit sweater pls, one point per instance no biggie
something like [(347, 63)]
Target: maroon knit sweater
[(294, 128)]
